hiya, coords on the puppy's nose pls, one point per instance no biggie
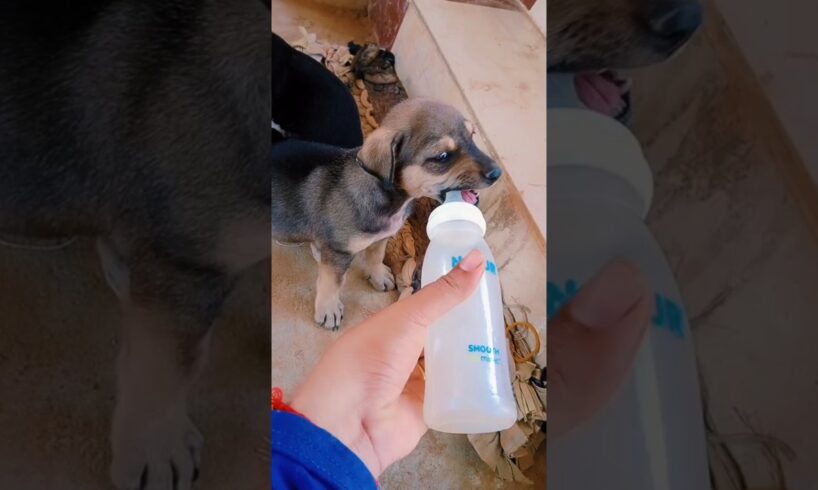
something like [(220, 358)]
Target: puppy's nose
[(493, 174), (675, 20)]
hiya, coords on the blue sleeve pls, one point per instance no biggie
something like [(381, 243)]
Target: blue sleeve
[(306, 457)]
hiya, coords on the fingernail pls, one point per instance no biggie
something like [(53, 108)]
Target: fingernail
[(607, 297), (471, 261)]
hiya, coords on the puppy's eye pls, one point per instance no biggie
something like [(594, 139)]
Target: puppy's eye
[(443, 157)]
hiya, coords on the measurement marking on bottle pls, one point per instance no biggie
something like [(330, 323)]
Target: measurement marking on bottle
[(667, 313)]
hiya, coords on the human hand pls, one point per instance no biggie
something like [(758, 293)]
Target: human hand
[(592, 344), (366, 390)]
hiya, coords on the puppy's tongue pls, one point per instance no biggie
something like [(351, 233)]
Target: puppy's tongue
[(602, 92), (469, 196)]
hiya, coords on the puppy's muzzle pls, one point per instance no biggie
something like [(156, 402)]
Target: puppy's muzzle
[(675, 22), (488, 168), (491, 176)]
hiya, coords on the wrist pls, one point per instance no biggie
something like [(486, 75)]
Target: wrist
[(345, 427), (278, 404)]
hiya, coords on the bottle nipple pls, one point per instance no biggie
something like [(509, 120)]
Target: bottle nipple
[(454, 196)]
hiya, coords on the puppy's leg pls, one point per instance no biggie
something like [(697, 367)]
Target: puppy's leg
[(332, 267), (376, 271), (167, 314), (155, 445)]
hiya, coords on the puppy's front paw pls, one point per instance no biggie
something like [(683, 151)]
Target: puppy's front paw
[(329, 314), (156, 456), (382, 278)]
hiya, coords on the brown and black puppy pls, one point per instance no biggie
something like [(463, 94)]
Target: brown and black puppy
[(346, 202)]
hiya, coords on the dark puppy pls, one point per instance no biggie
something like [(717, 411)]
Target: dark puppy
[(373, 64), (143, 123), (310, 102), (346, 202)]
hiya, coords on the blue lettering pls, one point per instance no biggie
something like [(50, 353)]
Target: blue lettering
[(490, 266), (675, 320), (558, 296), (667, 314), (659, 316), (485, 349)]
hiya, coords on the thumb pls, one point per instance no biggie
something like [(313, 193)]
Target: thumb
[(606, 324), (611, 296), (408, 320), (438, 298)]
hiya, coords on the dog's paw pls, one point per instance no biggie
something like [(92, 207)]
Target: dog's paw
[(329, 315), (163, 456), (382, 278)]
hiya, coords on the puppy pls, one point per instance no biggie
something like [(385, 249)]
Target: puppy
[(593, 39), (143, 124), (349, 202), (309, 101), (373, 64)]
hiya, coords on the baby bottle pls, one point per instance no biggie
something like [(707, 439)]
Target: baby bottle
[(468, 386), (651, 434)]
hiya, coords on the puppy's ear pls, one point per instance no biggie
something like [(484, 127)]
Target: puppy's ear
[(396, 148), (381, 153)]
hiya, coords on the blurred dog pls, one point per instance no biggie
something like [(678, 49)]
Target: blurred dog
[(617, 34), (143, 124), (593, 39), (346, 202)]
